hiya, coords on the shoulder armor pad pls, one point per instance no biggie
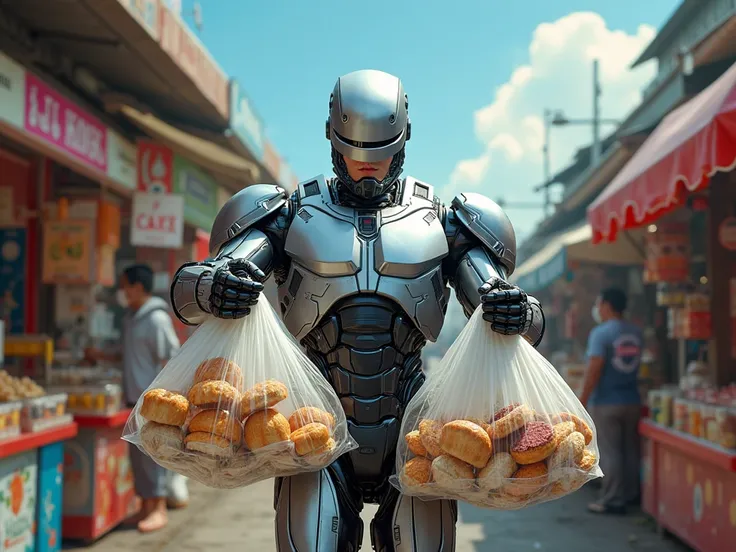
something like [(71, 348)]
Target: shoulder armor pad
[(418, 189), (487, 221), (243, 210), (316, 186)]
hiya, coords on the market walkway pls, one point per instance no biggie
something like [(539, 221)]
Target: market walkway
[(243, 520)]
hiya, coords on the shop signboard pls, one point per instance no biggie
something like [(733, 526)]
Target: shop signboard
[(67, 254), (56, 120), (193, 58), (50, 497), (12, 91), (145, 12), (155, 163), (13, 249), (244, 121), (157, 221), (271, 160), (121, 160), (18, 485), (199, 191)]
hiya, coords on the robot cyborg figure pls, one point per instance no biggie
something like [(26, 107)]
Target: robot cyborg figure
[(363, 262)]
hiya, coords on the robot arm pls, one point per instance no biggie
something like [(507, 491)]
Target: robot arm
[(246, 240), (482, 245)]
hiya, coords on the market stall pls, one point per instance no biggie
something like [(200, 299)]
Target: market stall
[(681, 186)]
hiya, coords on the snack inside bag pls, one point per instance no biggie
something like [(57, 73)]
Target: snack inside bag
[(240, 403), (495, 425)]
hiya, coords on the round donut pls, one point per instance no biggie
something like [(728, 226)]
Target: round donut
[(580, 424), (510, 419), (219, 369), (262, 396), (308, 415), (527, 480), (417, 471), (219, 394), (466, 441), (309, 438), (430, 432), (161, 441), (501, 467), (164, 407), (217, 422), (414, 441), (569, 452), (206, 443), (536, 443), (266, 427), (451, 473)]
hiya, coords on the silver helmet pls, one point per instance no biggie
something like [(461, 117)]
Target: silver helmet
[(369, 121)]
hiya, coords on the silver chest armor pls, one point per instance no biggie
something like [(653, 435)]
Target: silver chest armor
[(364, 292)]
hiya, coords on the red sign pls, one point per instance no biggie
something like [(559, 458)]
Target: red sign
[(155, 168), (194, 59), (727, 233), (157, 220), (114, 491)]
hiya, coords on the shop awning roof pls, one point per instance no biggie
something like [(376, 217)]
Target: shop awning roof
[(207, 154), (551, 262), (691, 144)]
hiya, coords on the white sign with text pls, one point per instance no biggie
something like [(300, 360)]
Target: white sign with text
[(157, 221)]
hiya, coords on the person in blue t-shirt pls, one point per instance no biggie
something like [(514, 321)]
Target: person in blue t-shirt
[(611, 394)]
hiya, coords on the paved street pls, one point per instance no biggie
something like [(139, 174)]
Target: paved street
[(243, 520)]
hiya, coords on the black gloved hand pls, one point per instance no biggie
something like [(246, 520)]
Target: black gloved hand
[(505, 306), (236, 286)]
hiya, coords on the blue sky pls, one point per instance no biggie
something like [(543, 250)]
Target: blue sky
[(452, 57)]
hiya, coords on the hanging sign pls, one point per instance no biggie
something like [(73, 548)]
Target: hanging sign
[(157, 221), (668, 254), (155, 167), (66, 252), (727, 233)]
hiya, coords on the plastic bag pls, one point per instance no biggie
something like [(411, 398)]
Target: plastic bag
[(496, 426), (239, 403)]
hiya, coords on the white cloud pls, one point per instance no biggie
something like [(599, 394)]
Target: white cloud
[(558, 75)]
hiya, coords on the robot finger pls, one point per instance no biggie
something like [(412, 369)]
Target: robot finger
[(515, 309), (514, 295)]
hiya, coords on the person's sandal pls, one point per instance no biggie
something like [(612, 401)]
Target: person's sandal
[(597, 508)]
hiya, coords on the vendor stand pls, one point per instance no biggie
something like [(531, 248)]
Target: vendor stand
[(687, 201)]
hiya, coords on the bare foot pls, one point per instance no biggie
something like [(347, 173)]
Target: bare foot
[(155, 521)]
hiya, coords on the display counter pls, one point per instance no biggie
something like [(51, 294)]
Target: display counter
[(99, 492), (31, 465), (689, 487)]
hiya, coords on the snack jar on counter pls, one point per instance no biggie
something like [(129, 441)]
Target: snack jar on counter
[(10, 419), (694, 418), (709, 428), (726, 422), (680, 415), (95, 400), (45, 412)]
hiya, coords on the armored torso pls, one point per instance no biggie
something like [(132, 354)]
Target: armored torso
[(364, 292)]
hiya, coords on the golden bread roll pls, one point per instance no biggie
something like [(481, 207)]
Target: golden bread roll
[(482, 423), (309, 415), (569, 453), (580, 424), (451, 473), (561, 430), (217, 422), (417, 471), (164, 407), (414, 441), (527, 480), (161, 441), (266, 427), (466, 441), (206, 443), (215, 394), (327, 448), (261, 396), (430, 432), (219, 369), (587, 462), (322, 455), (501, 467), (309, 438), (535, 444), (510, 419)]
